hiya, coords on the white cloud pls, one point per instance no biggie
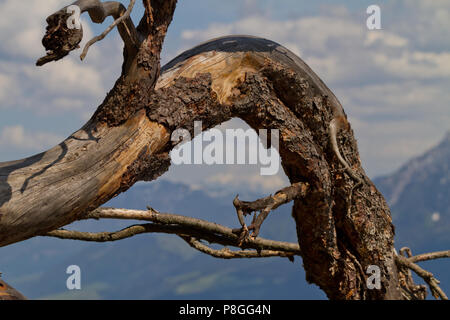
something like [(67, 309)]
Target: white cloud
[(425, 23), (61, 86), (7, 87), (309, 33), (23, 25), (17, 137), (385, 38), (415, 64), (67, 77), (385, 145), (410, 98)]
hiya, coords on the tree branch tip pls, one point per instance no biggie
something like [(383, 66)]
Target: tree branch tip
[(152, 209), (115, 23)]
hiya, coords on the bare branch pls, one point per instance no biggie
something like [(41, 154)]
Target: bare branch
[(109, 236), (430, 256), (174, 224), (428, 277), (265, 205), (119, 20), (226, 253)]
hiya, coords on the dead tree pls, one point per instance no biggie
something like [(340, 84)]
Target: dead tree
[(343, 222)]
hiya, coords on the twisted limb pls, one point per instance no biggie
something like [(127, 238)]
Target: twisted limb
[(264, 206)]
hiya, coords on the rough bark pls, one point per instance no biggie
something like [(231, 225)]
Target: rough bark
[(341, 229)]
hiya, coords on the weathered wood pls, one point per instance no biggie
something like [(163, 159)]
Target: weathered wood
[(341, 232), (269, 87), (52, 189)]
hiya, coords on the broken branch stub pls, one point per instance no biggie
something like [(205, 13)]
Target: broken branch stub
[(59, 39), (65, 31)]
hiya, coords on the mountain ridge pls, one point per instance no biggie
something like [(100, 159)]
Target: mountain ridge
[(418, 196)]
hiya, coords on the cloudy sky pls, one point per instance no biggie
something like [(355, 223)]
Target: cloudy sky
[(393, 83)]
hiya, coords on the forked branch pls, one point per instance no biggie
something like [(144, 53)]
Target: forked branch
[(264, 206), (189, 229), (408, 262), (116, 9)]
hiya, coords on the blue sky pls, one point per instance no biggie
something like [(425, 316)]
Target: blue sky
[(393, 83)]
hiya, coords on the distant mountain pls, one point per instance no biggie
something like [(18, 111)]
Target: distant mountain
[(164, 267), (419, 197)]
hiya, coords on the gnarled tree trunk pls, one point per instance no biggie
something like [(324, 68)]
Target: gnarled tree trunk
[(343, 226)]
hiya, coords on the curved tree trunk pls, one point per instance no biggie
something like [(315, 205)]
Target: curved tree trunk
[(342, 227)]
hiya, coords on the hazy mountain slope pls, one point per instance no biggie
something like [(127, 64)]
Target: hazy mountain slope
[(418, 195)]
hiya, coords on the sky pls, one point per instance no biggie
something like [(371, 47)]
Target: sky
[(393, 83)]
